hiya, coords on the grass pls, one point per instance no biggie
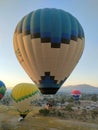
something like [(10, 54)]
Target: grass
[(34, 121)]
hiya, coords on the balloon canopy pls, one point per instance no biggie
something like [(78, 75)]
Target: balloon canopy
[(48, 44), (2, 89), (23, 94), (76, 94)]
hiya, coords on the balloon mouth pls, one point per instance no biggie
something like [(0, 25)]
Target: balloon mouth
[(23, 115), (48, 90)]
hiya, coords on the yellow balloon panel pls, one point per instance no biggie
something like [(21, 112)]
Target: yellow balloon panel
[(24, 90)]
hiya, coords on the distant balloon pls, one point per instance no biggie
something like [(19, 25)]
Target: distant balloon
[(48, 44), (2, 89), (23, 94), (76, 94)]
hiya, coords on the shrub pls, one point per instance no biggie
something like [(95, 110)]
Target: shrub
[(69, 107), (44, 112)]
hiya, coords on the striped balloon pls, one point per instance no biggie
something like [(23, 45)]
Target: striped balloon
[(48, 44), (2, 89), (76, 94)]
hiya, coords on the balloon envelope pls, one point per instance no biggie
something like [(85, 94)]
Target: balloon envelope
[(2, 89), (23, 94), (76, 94), (48, 44)]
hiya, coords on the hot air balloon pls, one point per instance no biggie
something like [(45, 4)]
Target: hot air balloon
[(76, 95), (48, 43), (23, 94), (2, 89)]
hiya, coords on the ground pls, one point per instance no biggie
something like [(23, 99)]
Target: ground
[(9, 121)]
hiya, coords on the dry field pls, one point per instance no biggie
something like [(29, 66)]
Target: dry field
[(9, 117)]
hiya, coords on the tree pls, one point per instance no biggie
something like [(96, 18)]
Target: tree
[(94, 97)]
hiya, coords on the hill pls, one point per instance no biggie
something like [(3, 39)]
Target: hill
[(84, 88)]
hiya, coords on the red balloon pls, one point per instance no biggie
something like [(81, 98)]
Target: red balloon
[(76, 92)]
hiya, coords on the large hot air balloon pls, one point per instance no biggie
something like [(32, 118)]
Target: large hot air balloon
[(76, 95), (2, 89), (48, 44), (23, 94)]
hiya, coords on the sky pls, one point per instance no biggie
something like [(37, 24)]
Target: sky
[(11, 12)]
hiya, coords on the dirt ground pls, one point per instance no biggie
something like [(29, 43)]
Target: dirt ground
[(9, 121)]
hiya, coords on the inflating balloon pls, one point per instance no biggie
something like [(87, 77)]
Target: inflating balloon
[(2, 89), (23, 94), (48, 44)]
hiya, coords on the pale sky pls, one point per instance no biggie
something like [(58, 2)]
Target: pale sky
[(11, 12)]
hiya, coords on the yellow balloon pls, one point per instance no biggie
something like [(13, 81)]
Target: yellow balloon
[(23, 94)]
